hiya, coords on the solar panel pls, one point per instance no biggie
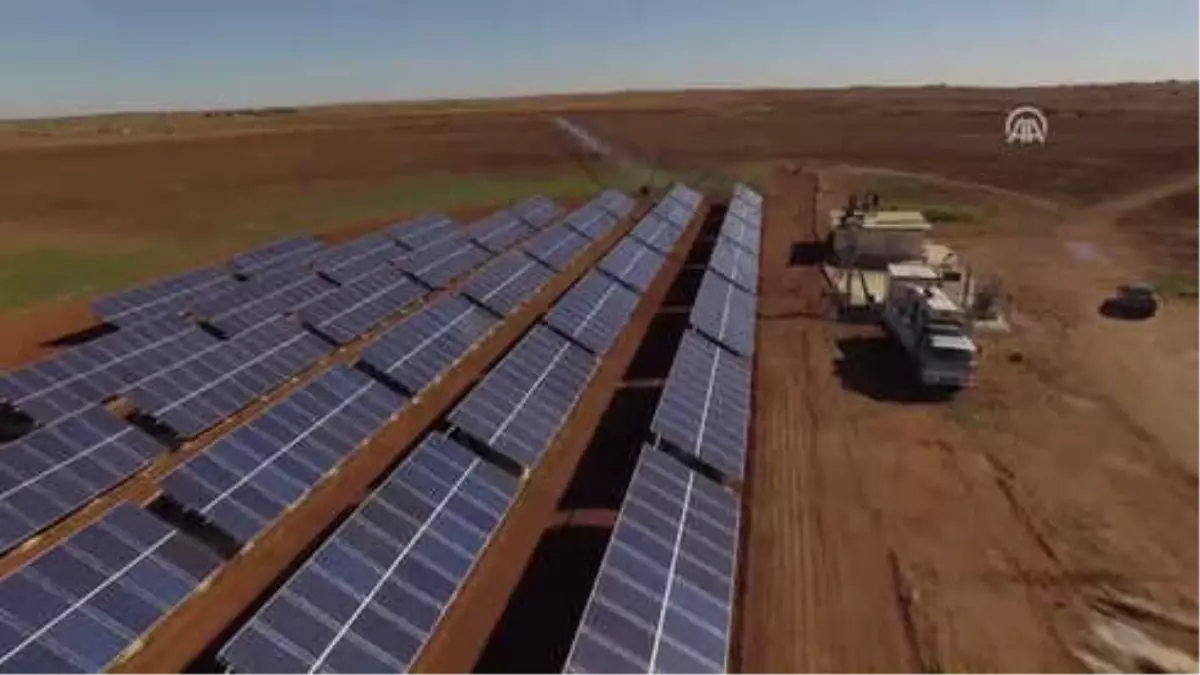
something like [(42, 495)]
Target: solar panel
[(592, 222), (538, 211), (742, 192), (201, 392), (498, 231), (345, 262), (685, 196), (663, 599), (419, 349), (440, 263), (356, 308), (594, 311), (261, 300), (705, 406), (507, 282), (293, 250), (658, 233), (615, 202), (52, 471), (79, 605), (557, 246), (422, 231), (633, 263), (739, 232), (735, 264), (369, 599), (518, 408), (248, 478), (725, 314), (89, 373), (167, 296), (751, 215)]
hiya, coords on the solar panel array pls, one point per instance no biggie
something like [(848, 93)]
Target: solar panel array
[(520, 405), (735, 263), (359, 306), (633, 263), (445, 260), (556, 246), (663, 599), (592, 221), (657, 232), (507, 282), (420, 348), (725, 314), (594, 311), (538, 211), (294, 251), (161, 297), (244, 481), (370, 598), (89, 373), (423, 231), (615, 202), (743, 220), (705, 406), (684, 196), (79, 605), (499, 231), (201, 392), (50, 472)]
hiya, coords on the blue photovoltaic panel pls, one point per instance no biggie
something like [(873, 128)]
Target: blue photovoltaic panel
[(663, 599), (262, 300), (92, 372), (658, 233), (346, 262), (200, 392), (295, 250), (594, 311), (499, 231), (507, 281), (591, 221), (51, 472), (705, 406), (356, 308), (556, 246), (750, 215), (538, 211), (743, 193), (419, 349), (370, 598), (76, 607), (615, 202), (423, 231), (685, 196), (448, 259), (735, 264), (736, 230), (633, 263), (169, 296), (245, 480), (521, 404), (725, 314)]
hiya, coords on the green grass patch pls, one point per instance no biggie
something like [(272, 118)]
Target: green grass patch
[(259, 215), (950, 214), (1177, 285)]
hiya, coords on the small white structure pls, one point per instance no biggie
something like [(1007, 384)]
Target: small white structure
[(879, 238)]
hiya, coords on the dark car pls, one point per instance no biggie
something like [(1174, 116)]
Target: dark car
[(1132, 301)]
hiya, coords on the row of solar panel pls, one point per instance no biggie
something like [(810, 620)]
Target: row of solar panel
[(704, 410), (248, 478), (663, 598), (370, 597)]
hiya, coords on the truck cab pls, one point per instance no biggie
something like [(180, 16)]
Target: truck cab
[(932, 330)]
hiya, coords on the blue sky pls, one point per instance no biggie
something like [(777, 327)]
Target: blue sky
[(71, 56)]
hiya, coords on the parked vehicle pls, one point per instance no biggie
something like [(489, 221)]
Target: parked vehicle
[(1132, 301), (933, 332)]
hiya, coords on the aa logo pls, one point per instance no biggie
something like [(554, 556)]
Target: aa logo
[(1026, 125)]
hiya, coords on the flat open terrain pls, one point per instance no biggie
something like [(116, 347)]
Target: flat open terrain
[(883, 532)]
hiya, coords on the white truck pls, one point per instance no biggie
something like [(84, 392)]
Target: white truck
[(930, 327)]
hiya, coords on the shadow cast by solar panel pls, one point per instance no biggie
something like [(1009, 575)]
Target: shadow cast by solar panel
[(878, 368), (208, 660), (687, 284), (80, 337), (807, 254), (159, 431), (607, 465), (194, 525), (535, 632), (701, 251), (714, 220), (657, 351)]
